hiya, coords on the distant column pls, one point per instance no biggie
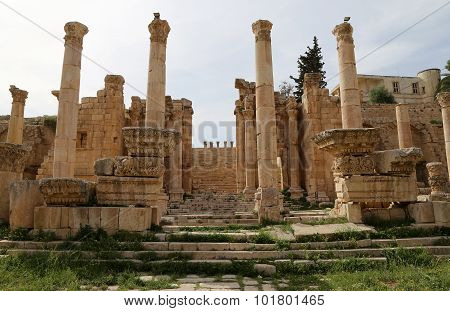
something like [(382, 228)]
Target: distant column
[(175, 185), (69, 94), (403, 126), (443, 99), (294, 163), (187, 146), (240, 147), (156, 85), (348, 82), (250, 152), (16, 121)]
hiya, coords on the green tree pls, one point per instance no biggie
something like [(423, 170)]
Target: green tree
[(310, 62), (380, 95), (444, 84)]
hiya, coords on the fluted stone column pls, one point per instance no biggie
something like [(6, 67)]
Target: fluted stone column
[(16, 121), (250, 153), (348, 82), (176, 182), (403, 126), (443, 99), (267, 200), (69, 93), (294, 163), (240, 147), (156, 85)]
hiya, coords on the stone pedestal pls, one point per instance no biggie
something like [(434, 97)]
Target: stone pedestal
[(443, 99), (13, 158), (24, 196), (348, 82), (403, 126), (267, 200), (16, 121), (156, 84), (66, 128), (294, 158)]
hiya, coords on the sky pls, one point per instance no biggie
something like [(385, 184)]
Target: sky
[(209, 45)]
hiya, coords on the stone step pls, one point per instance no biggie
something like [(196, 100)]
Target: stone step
[(246, 255)]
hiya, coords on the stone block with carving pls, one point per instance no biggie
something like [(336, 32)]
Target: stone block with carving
[(13, 157), (67, 191), (104, 167), (150, 142), (342, 142), (139, 167), (397, 161), (437, 178), (352, 165)]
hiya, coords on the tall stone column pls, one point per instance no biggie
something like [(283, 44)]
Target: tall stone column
[(176, 182), (240, 148), (443, 99), (267, 200), (348, 82), (187, 147), (69, 93), (294, 163), (156, 85), (403, 126), (16, 122), (250, 152)]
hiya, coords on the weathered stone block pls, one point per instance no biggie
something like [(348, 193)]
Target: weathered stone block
[(24, 196), (421, 212), (67, 191), (47, 217), (104, 167), (78, 217), (6, 178), (94, 215), (109, 219), (442, 213), (397, 161), (134, 218)]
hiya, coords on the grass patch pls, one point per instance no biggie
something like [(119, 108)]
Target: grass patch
[(327, 221)]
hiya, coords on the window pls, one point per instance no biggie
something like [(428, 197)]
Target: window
[(423, 90), (395, 86), (81, 140), (415, 88)]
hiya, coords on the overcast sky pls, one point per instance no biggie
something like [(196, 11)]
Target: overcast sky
[(210, 44)]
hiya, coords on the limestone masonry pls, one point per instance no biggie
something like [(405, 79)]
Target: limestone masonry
[(107, 166)]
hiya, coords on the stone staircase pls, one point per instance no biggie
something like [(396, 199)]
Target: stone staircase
[(211, 209)]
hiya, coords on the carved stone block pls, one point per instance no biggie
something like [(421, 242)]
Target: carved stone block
[(397, 161), (67, 191)]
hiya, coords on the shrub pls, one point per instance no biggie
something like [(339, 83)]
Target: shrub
[(380, 95)]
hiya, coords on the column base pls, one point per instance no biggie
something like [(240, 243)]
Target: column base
[(176, 195), (296, 192), (268, 204)]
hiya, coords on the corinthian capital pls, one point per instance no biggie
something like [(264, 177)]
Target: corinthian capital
[(343, 32), (443, 98), (159, 30), (261, 29), (18, 95), (75, 32)]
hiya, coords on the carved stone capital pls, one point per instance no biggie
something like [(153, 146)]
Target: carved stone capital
[(340, 142), (397, 161), (159, 30), (443, 98), (139, 167), (343, 32), (75, 32), (437, 177), (18, 95), (262, 29), (150, 142), (67, 191), (56, 94), (249, 114), (13, 157), (350, 165), (249, 101)]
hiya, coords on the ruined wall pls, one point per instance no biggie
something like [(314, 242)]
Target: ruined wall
[(39, 134), (99, 130), (214, 169)]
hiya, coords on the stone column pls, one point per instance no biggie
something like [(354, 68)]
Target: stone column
[(240, 148), (294, 158), (443, 99), (176, 182), (403, 126), (267, 200), (437, 180), (250, 152), (156, 85), (16, 122), (187, 147), (69, 93), (348, 82)]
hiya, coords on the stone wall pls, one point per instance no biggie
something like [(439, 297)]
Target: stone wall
[(38, 134), (214, 169)]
